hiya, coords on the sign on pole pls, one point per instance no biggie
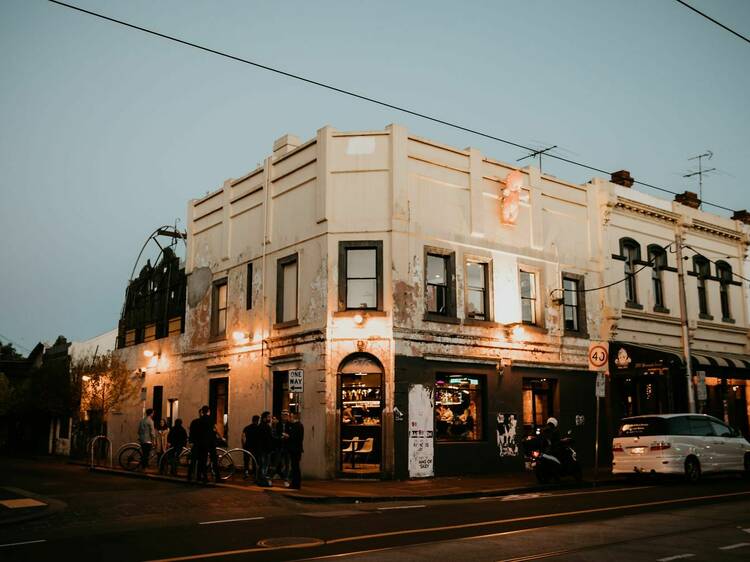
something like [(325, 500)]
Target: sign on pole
[(700, 385), (296, 380), (601, 385), (598, 356)]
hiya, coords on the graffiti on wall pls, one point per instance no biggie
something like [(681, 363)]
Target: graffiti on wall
[(506, 435), (421, 447)]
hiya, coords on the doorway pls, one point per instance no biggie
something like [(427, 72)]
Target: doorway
[(218, 402)]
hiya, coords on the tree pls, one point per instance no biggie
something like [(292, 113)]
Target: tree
[(8, 352), (104, 383)]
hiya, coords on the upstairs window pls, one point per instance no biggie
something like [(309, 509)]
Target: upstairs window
[(440, 291), (702, 269), (249, 294), (477, 293), (528, 297), (574, 305), (361, 275), (286, 290), (658, 259), (219, 308), (630, 250), (724, 273)]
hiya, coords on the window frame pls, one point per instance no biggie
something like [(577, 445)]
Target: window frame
[(486, 264), (249, 288), (536, 299), (344, 247), (281, 264), (725, 277), (631, 261), (481, 417), (655, 254), (450, 299), (580, 280), (216, 287), (702, 272)]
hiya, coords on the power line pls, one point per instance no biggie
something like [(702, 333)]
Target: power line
[(14, 344), (360, 96), (697, 253), (713, 20)]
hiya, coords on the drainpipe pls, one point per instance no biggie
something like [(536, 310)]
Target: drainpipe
[(266, 315), (684, 321)]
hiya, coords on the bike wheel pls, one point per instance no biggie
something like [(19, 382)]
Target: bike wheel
[(130, 458), (226, 466)]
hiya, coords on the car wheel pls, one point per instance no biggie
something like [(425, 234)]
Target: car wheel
[(692, 470)]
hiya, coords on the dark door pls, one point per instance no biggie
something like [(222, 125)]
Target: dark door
[(218, 401), (280, 393)]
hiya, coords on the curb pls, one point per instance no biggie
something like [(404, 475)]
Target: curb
[(492, 492), (53, 506)]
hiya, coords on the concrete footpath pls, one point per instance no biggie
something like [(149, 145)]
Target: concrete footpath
[(360, 490), (18, 505)]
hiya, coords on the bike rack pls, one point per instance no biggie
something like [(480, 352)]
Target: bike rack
[(244, 452), (92, 445)]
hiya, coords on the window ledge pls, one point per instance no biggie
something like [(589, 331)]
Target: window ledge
[(634, 305), (705, 316), (729, 320), (351, 312), (481, 323), (661, 309), (536, 328), (578, 334), (217, 338), (442, 319), (287, 324)]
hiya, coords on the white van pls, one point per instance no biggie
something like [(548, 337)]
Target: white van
[(688, 444)]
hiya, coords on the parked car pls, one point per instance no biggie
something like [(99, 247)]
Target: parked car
[(683, 444)]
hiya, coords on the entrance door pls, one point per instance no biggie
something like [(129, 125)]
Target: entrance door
[(218, 401), (360, 413), (280, 392)]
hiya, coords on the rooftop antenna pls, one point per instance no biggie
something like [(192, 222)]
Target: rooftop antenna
[(707, 155), (537, 154)]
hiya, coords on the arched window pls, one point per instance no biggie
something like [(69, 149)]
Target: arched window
[(631, 251), (702, 269), (724, 273), (658, 259)]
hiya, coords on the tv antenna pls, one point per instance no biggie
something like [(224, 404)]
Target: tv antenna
[(707, 155), (537, 154)]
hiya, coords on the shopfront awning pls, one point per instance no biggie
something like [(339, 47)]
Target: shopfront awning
[(710, 361)]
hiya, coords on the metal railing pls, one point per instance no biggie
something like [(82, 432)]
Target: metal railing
[(92, 448)]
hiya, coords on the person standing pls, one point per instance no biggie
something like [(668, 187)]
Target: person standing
[(282, 462), (146, 436), (176, 439), (294, 445), (265, 449), (201, 435), (161, 439), (250, 443)]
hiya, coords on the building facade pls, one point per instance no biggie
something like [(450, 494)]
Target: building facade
[(434, 302)]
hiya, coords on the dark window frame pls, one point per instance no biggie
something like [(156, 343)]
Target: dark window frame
[(344, 247), (482, 418), (657, 254), (725, 276), (216, 287), (702, 271), (249, 288), (582, 331), (282, 263), (534, 299), (450, 300), (630, 250), (486, 264)]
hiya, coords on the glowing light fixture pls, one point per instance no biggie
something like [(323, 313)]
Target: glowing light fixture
[(240, 337), (85, 378), (359, 319), (518, 332), (148, 353)]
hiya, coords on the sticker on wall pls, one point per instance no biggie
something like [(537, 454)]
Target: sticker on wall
[(506, 435), (623, 359), (421, 442), (511, 201)]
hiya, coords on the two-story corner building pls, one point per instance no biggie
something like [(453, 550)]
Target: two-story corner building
[(641, 234), (418, 287)]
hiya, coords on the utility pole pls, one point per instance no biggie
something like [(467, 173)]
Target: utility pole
[(537, 154), (707, 155), (684, 320)]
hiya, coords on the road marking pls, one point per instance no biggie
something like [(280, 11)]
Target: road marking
[(458, 526), (551, 495), (230, 520), (733, 546), (675, 557), (400, 507), (20, 543), (21, 502)]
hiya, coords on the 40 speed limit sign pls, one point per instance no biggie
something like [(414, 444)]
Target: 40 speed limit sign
[(598, 356)]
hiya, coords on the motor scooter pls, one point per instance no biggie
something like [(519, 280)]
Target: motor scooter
[(552, 466)]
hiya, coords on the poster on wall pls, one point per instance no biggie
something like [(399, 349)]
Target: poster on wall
[(506, 435), (421, 445)]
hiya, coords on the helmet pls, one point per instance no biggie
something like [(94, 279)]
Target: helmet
[(552, 421)]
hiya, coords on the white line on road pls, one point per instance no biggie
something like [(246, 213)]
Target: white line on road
[(676, 557), (20, 543), (733, 546), (553, 495), (230, 520), (401, 507)]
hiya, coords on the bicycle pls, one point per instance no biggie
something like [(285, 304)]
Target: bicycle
[(226, 467), (130, 454)]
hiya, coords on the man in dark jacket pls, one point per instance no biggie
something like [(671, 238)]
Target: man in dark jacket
[(281, 462), (177, 440), (294, 446), (265, 449), (250, 443), (203, 438)]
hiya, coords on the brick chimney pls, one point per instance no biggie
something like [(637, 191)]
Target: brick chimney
[(742, 216), (285, 144), (623, 178), (688, 199)]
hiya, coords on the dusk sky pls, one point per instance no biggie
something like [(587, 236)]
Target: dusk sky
[(107, 132)]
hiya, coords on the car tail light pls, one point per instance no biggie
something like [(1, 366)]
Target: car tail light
[(618, 449), (660, 445), (535, 454)]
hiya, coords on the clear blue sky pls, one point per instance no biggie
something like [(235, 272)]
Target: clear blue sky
[(107, 132)]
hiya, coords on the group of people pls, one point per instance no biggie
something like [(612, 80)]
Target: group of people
[(277, 447)]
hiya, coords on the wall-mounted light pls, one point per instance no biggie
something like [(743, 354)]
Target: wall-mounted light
[(85, 378), (148, 353), (518, 331), (359, 319), (240, 337)]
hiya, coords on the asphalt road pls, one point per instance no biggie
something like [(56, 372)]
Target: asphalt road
[(114, 518)]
